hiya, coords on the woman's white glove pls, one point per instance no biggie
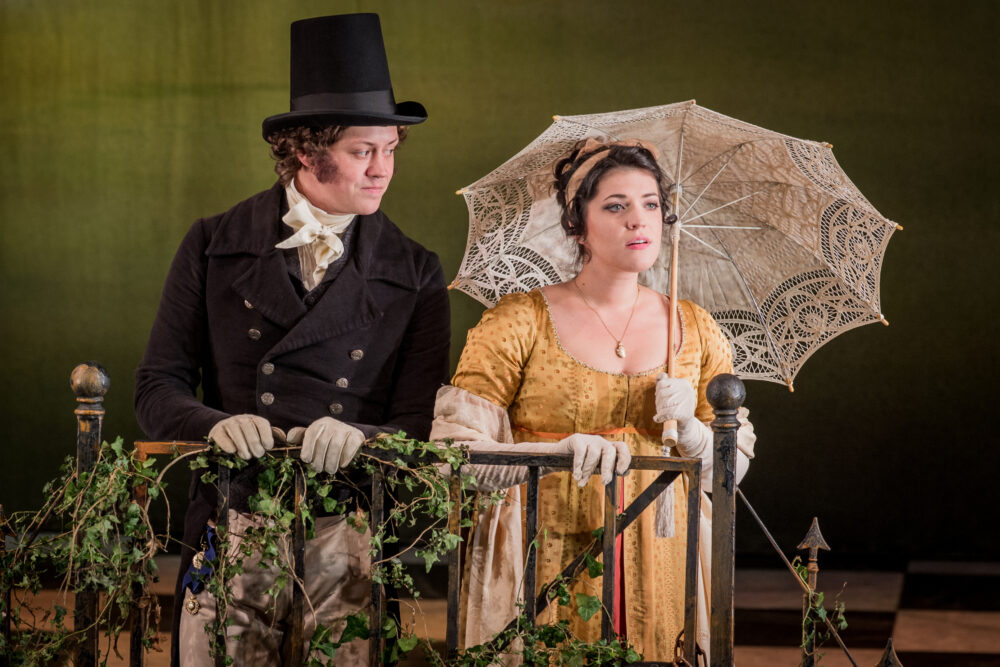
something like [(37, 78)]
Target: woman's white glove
[(675, 399), (327, 444), (245, 435), (590, 453)]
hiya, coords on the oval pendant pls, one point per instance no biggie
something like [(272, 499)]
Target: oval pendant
[(620, 350)]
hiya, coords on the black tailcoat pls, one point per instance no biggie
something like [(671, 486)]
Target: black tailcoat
[(372, 351)]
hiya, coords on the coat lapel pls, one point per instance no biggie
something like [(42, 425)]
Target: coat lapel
[(248, 234), (380, 254), (267, 287)]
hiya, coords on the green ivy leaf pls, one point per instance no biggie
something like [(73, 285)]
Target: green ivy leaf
[(356, 628), (594, 567), (587, 605), (407, 644)]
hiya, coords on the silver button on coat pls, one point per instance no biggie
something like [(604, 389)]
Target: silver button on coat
[(342, 383), (336, 408), (267, 398), (254, 334), (267, 368), (357, 355)]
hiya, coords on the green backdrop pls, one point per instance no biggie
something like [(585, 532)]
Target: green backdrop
[(122, 122)]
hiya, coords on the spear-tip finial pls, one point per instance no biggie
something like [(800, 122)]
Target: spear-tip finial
[(889, 657), (813, 539)]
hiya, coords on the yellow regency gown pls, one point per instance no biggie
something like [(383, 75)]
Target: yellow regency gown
[(513, 359)]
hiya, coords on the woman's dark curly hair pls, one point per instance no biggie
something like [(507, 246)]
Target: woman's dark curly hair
[(312, 142), (633, 157)]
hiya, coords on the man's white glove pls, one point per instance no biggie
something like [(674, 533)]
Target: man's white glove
[(675, 399), (327, 444), (246, 435), (591, 451)]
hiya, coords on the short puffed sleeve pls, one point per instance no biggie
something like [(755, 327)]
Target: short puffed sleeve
[(497, 349), (716, 356)]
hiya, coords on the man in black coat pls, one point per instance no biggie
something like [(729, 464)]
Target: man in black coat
[(302, 309)]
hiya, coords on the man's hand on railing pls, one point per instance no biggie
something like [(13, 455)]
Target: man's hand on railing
[(248, 436), (327, 444)]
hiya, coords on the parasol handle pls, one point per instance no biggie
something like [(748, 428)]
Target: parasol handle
[(670, 427)]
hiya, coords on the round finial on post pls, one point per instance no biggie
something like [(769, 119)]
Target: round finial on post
[(726, 392), (90, 382)]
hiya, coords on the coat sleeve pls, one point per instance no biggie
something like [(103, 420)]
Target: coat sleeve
[(166, 402), (422, 361)]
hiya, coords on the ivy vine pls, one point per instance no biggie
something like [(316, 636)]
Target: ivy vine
[(90, 534)]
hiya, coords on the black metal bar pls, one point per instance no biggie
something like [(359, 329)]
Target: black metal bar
[(454, 563), (221, 522), (531, 563), (297, 641), (90, 383), (691, 570), (610, 579), (378, 599), (726, 394), (140, 603), (5, 589)]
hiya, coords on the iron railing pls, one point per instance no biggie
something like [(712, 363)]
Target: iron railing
[(726, 393)]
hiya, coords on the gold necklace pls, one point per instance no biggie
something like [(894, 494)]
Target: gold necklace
[(619, 348)]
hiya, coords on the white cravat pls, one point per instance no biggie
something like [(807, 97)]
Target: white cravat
[(317, 235)]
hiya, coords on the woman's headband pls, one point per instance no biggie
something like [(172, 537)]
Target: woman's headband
[(598, 150)]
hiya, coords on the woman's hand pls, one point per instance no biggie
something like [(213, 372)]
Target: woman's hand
[(327, 444), (675, 399), (245, 435), (589, 451)]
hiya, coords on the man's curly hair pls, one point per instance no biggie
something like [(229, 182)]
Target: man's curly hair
[(312, 142)]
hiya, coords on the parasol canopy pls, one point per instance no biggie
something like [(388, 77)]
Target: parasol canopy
[(775, 241)]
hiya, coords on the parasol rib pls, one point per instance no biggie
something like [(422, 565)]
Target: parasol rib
[(704, 243), (725, 164), (722, 227), (726, 205)]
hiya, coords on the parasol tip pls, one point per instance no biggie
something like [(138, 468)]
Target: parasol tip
[(828, 145), (461, 191), (881, 318), (899, 227), (791, 387), (556, 118)]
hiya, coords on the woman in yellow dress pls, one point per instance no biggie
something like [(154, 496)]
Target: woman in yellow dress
[(577, 367)]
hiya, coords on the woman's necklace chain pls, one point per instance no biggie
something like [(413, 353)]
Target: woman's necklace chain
[(619, 347)]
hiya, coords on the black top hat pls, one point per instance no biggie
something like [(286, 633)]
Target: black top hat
[(340, 76)]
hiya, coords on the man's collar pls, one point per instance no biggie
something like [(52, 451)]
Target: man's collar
[(253, 227)]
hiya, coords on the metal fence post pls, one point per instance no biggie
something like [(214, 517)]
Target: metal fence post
[(222, 533), (813, 541), (377, 596), (296, 632), (5, 590), (90, 383), (454, 562), (726, 394)]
